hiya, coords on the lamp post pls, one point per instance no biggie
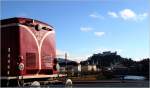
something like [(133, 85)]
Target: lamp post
[(66, 64)]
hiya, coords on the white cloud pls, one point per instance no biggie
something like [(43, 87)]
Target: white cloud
[(95, 51), (84, 56), (79, 58), (113, 14), (142, 16), (60, 53), (99, 33), (86, 29), (128, 14), (96, 15)]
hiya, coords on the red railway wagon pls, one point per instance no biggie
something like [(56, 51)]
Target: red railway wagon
[(27, 50)]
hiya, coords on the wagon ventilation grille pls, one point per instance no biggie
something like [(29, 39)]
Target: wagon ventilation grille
[(30, 60)]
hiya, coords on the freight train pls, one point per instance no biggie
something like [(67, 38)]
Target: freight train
[(28, 52)]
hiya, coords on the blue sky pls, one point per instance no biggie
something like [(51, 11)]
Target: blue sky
[(92, 26)]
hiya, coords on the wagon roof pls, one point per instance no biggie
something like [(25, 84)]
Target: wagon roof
[(16, 20)]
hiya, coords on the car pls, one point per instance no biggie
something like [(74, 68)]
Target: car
[(132, 77)]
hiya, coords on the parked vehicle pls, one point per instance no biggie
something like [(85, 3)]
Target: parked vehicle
[(132, 77)]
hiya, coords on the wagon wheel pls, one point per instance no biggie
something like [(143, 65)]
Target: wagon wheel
[(7, 83), (35, 84), (20, 82), (68, 83)]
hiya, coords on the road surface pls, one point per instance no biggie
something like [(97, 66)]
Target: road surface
[(113, 84), (106, 84)]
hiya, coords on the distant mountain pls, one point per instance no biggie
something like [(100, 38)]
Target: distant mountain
[(103, 59), (62, 60)]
